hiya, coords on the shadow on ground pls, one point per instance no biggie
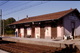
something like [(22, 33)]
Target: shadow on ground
[(5, 42), (68, 49)]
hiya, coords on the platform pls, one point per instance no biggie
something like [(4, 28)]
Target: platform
[(46, 42)]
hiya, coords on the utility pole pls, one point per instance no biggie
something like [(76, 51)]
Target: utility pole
[(0, 20), (3, 28)]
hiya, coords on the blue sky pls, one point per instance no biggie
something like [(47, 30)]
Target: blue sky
[(19, 9)]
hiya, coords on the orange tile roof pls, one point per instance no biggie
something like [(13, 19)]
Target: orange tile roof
[(45, 17)]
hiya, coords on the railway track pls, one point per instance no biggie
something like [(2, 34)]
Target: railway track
[(14, 47)]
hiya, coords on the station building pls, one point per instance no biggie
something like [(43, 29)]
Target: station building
[(49, 26)]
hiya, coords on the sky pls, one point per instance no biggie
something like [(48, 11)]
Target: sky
[(20, 9)]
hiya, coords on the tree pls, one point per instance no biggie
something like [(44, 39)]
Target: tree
[(10, 20), (8, 30)]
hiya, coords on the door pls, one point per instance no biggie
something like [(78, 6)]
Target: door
[(73, 28), (25, 32)]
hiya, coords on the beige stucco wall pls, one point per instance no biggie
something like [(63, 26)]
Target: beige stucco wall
[(22, 32), (48, 32), (28, 31), (60, 31)]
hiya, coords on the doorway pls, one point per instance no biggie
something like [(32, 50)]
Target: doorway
[(73, 28)]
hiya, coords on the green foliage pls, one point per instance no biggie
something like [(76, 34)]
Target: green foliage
[(10, 20), (8, 30)]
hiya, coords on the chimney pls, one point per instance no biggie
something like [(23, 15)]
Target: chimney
[(70, 8), (26, 16)]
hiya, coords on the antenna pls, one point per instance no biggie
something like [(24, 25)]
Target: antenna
[(70, 8), (26, 16)]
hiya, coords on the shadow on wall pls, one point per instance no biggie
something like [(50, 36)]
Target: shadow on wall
[(68, 49)]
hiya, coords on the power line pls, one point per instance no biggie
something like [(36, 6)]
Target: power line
[(24, 8), (4, 2), (17, 6), (1, 15)]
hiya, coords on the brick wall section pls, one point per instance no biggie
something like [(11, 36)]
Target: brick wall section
[(18, 32), (25, 32), (42, 32), (53, 32), (33, 32)]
